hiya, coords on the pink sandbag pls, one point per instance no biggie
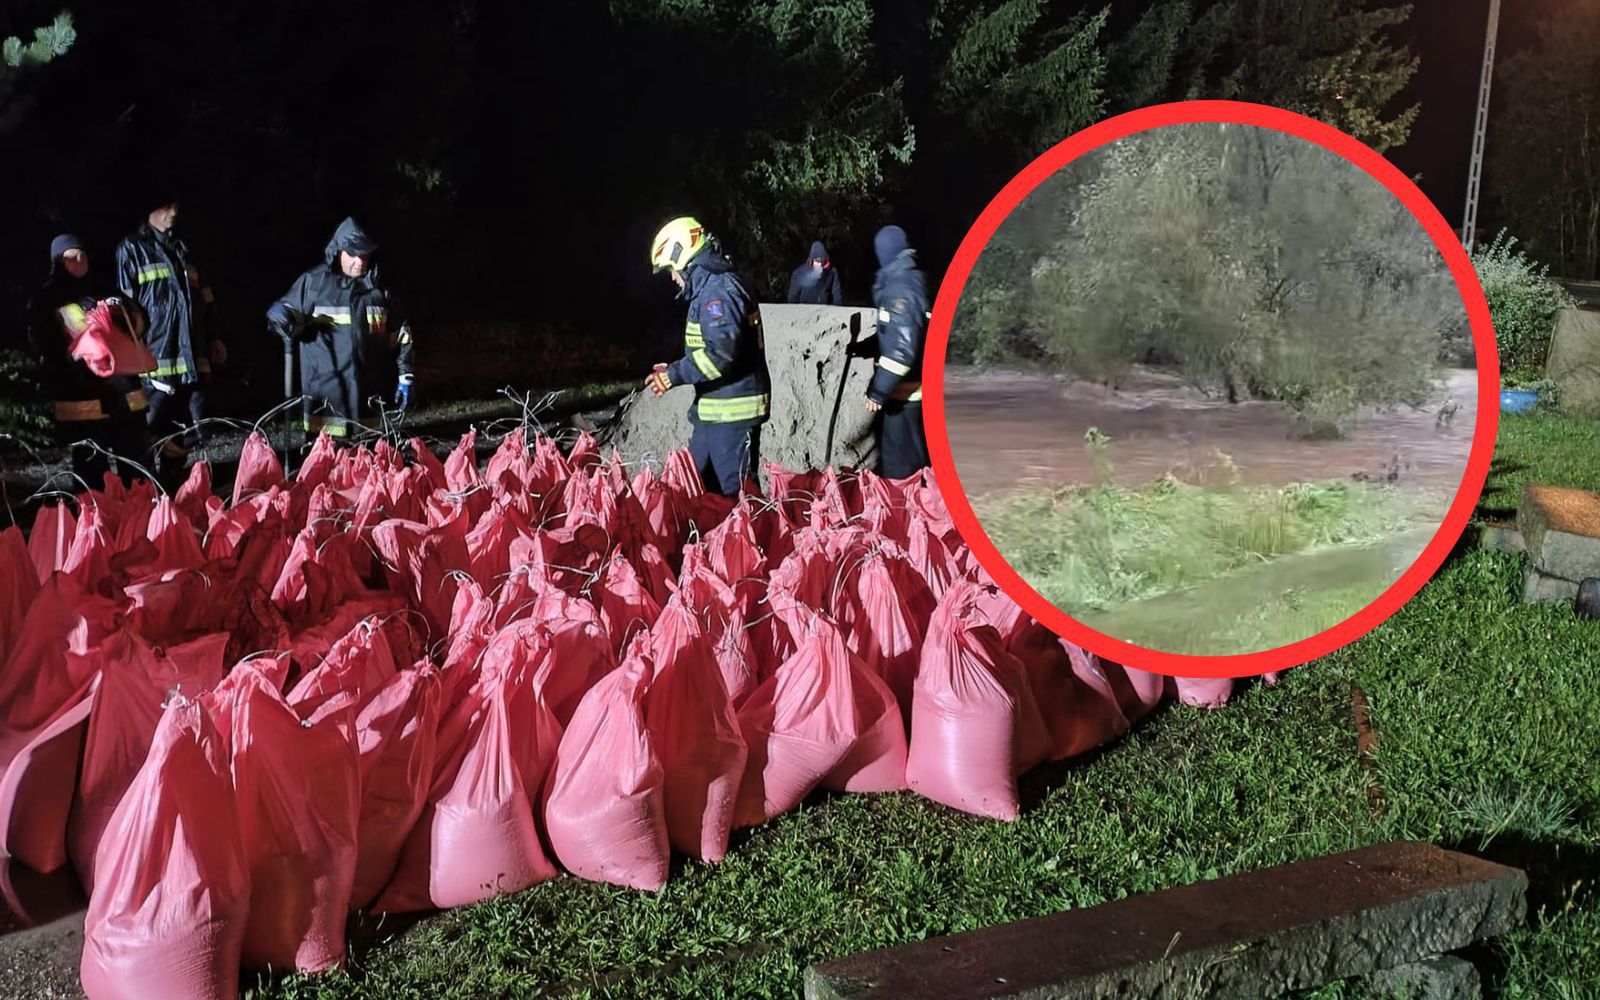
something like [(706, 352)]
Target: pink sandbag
[(298, 799), (605, 807), (195, 499), (1139, 692), (968, 714), (54, 527), (822, 714), (626, 607), (360, 662), (168, 914), (259, 468), (19, 585), (484, 840), (36, 791), (136, 680), (695, 731), (564, 653), (177, 545), (397, 736), (88, 561), (107, 346), (885, 633), (47, 670), (1204, 692)]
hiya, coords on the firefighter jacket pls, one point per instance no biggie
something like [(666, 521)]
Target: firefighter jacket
[(350, 335), (724, 356), (901, 294), (156, 270)]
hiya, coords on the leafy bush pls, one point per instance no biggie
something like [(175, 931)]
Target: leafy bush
[(1523, 303), (22, 412)]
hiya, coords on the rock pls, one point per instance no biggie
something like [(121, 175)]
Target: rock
[(1501, 538), (1442, 977), (1541, 588), (1298, 926), (1561, 528), (818, 392)]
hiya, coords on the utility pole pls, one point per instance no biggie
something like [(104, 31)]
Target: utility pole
[(1469, 220)]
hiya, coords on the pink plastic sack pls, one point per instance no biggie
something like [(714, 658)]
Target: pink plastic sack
[(626, 607), (168, 914), (54, 527), (259, 468), (605, 806), (106, 345), (823, 714), (36, 791), (298, 795), (967, 715), (695, 731), (1204, 692), (136, 680), (885, 633), (19, 585), (397, 734), (48, 671)]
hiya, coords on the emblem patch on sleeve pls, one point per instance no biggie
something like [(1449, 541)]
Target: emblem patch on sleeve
[(714, 309)]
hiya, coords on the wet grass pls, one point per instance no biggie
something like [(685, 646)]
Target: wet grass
[(1485, 710), (1089, 548)]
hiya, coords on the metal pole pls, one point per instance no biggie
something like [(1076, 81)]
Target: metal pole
[(1469, 219)]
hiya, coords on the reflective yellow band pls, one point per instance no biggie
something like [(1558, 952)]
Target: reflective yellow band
[(175, 368), (908, 391), (376, 316), (79, 410), (405, 335), (153, 272), (883, 315), (73, 316), (724, 411), (335, 426), (340, 315), (692, 337), (707, 367), (137, 401), (891, 365)]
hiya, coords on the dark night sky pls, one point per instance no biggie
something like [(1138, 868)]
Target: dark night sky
[(1448, 36)]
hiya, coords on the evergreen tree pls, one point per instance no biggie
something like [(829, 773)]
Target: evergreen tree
[(18, 57)]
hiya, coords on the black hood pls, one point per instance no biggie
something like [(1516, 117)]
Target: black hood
[(60, 282), (818, 252), (352, 239)]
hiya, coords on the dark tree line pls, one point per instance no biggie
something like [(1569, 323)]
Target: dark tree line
[(514, 158)]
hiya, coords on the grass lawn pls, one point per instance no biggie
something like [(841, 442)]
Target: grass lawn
[(1488, 715)]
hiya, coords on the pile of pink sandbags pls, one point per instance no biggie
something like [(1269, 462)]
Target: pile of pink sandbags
[(402, 683)]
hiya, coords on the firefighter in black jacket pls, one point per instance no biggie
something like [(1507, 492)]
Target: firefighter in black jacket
[(895, 393), (723, 356), (95, 417), (816, 282), (156, 270), (351, 334)]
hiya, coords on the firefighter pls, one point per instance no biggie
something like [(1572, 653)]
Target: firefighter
[(723, 356), (900, 294), (350, 334), (95, 417), (816, 282), (156, 270)]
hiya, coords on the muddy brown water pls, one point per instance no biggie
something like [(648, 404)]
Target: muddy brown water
[(1013, 430)]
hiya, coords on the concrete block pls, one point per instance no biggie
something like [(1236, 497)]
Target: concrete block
[(1261, 933), (1541, 588), (1561, 528), (1574, 361), (1442, 977)]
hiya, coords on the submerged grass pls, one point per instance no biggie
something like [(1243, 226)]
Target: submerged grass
[(1088, 548)]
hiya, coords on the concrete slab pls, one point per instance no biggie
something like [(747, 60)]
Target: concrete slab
[(819, 390), (1574, 361), (1297, 926), (1561, 528)]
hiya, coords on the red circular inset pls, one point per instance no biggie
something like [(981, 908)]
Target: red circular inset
[(1472, 480)]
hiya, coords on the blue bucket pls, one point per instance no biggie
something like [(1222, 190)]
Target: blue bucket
[(1518, 400)]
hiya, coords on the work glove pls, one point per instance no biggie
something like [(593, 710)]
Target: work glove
[(402, 392), (659, 380)]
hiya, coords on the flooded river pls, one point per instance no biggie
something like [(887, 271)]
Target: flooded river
[(1010, 431), (1013, 432)]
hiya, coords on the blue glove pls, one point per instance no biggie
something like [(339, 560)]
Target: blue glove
[(402, 392)]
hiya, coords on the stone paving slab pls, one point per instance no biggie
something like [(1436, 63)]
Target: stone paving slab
[(1261, 933), (1561, 529)]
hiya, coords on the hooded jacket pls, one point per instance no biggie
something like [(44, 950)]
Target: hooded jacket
[(816, 286), (724, 356), (156, 270), (76, 393), (350, 334), (900, 293)]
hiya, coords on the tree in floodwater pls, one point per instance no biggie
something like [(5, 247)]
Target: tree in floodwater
[(1254, 263)]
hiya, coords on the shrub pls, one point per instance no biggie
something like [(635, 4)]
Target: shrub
[(1523, 302)]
